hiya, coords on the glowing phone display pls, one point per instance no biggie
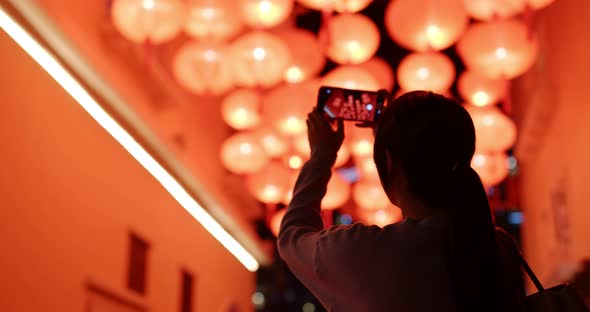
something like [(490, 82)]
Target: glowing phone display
[(356, 105)]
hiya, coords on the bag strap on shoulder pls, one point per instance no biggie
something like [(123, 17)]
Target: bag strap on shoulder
[(530, 272), (527, 268)]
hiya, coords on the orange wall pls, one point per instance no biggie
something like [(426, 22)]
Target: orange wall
[(158, 100), (556, 164), (69, 197)]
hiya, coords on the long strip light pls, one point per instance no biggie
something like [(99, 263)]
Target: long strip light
[(50, 64)]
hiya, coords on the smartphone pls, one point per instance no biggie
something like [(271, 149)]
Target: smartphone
[(355, 105)]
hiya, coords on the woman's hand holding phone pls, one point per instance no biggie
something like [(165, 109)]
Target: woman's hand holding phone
[(324, 140)]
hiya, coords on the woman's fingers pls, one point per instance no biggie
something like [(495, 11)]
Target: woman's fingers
[(318, 120), (322, 122)]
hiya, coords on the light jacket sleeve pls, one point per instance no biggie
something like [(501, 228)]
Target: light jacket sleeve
[(302, 223), (314, 254)]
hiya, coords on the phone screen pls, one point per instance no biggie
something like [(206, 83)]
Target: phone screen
[(354, 105)]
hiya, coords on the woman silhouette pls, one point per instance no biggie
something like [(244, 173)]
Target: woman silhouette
[(446, 255)]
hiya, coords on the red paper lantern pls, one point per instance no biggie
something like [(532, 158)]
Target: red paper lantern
[(493, 9), (337, 194), (156, 21), (294, 161), (481, 91), (423, 25), (367, 168), (351, 77), (349, 6), (307, 57), (369, 195), (352, 38), (292, 181), (265, 13), (380, 217), (203, 67), (533, 4), (342, 156), (313, 85), (213, 19), (492, 168), (494, 131), (271, 184), (240, 109), (286, 107), (242, 154), (498, 49), (260, 59), (432, 71), (381, 70), (273, 143), (301, 145), (361, 141)]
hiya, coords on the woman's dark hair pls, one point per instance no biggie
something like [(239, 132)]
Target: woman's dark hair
[(432, 139)]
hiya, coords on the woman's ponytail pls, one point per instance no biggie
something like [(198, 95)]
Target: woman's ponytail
[(472, 251)]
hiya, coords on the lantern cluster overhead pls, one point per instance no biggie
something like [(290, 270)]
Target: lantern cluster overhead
[(267, 72)]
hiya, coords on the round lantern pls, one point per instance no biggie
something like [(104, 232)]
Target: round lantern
[(155, 21), (286, 107), (203, 67), (213, 19), (242, 154), (292, 181), (271, 184), (307, 58), (481, 91), (337, 194), (369, 194), (431, 71), (260, 59), (494, 131), (342, 156), (367, 168), (351, 77), (532, 4), (493, 9), (275, 221), (240, 109), (350, 6), (274, 144), (301, 145), (498, 49), (351, 38), (380, 217), (492, 168), (313, 84), (538, 4), (361, 142), (294, 161), (423, 25), (265, 13), (381, 70)]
